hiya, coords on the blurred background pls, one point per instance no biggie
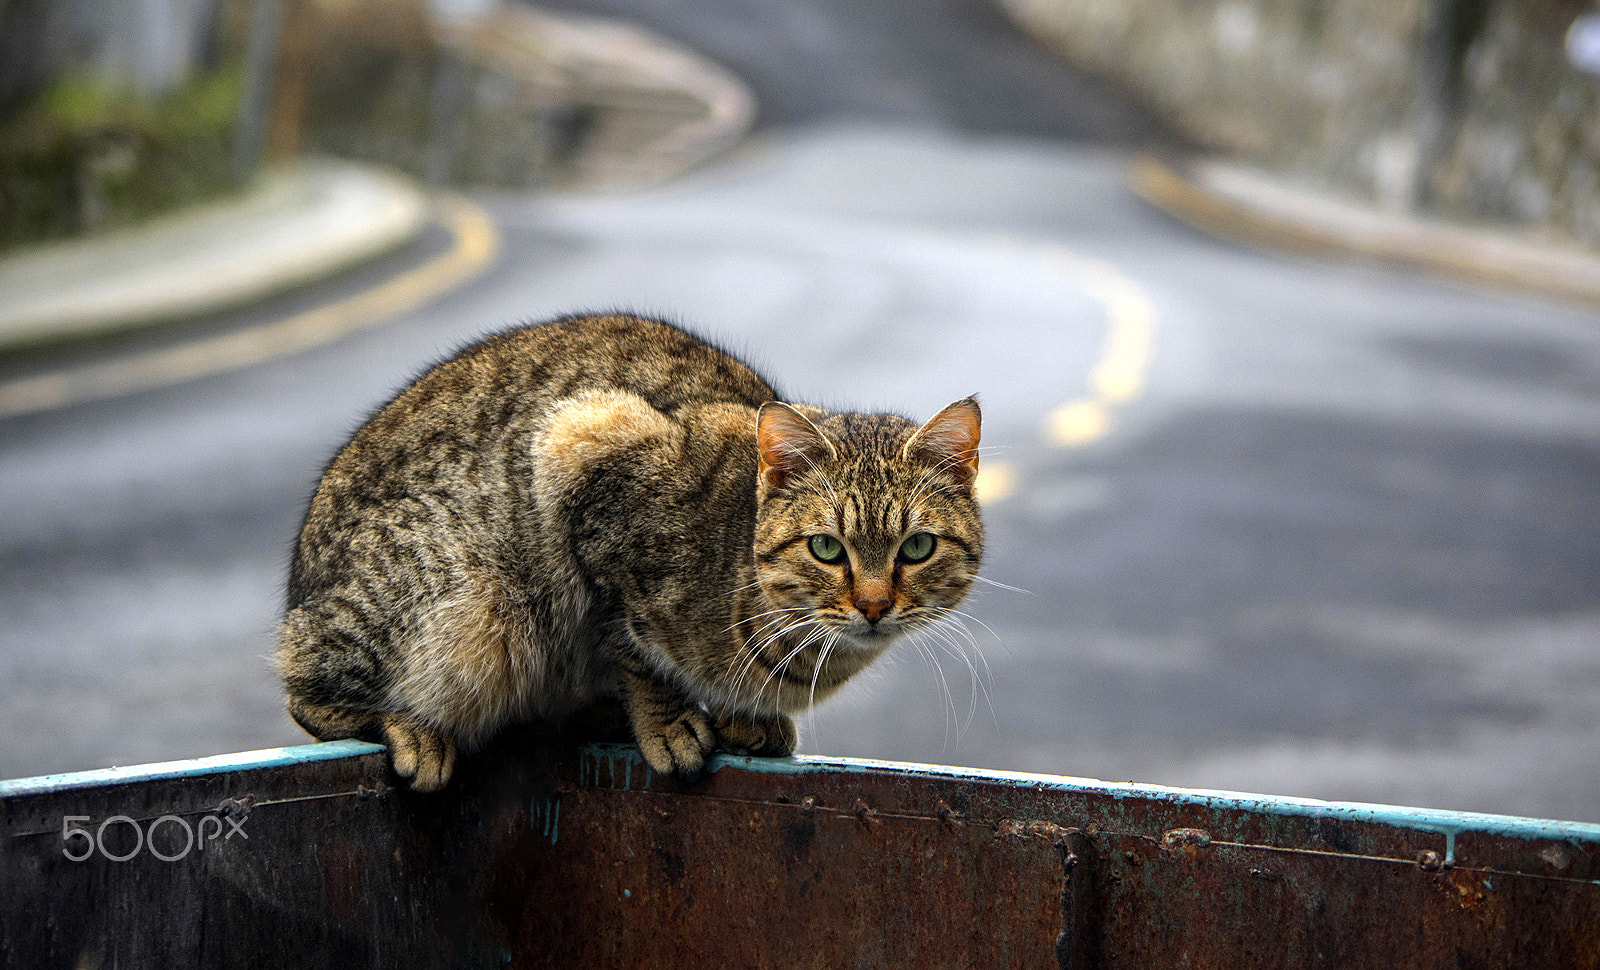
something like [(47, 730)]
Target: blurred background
[(1282, 313)]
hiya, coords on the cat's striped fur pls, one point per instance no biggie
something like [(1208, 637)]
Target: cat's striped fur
[(607, 506)]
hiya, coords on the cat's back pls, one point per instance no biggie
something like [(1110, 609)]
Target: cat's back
[(463, 427), (662, 363), (505, 385)]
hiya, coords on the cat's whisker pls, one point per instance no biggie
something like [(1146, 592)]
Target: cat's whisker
[(820, 632), (822, 659), (757, 646), (752, 619), (976, 684), (994, 582), (936, 634), (739, 589), (945, 612), (949, 706), (753, 584), (948, 622), (811, 705), (805, 641), (776, 626), (742, 661), (931, 491)]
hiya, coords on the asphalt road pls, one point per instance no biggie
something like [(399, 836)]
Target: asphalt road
[(1298, 527), (945, 64)]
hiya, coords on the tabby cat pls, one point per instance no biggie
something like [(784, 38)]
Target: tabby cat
[(608, 507)]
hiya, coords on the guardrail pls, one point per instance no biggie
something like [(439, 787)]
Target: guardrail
[(580, 856)]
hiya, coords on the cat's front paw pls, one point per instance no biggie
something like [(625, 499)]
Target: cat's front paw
[(421, 755), (678, 746), (767, 737)]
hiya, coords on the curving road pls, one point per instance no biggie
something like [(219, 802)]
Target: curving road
[(1301, 527)]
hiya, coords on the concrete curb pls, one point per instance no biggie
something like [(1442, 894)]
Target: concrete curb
[(298, 225), (474, 248), (1257, 208)]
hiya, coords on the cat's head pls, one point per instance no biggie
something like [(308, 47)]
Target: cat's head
[(866, 523)]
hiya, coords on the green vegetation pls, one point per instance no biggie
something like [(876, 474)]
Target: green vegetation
[(84, 154)]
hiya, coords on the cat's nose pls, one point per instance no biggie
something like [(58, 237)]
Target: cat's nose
[(873, 609)]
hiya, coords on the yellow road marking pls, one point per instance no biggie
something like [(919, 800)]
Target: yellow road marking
[(996, 480), (475, 247), (1077, 422), (1118, 376)]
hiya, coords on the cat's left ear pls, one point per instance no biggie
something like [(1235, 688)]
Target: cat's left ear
[(950, 439)]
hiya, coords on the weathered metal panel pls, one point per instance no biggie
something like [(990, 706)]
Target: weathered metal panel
[(664, 881), (581, 857), (264, 862)]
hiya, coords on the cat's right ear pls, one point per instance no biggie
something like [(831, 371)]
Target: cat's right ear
[(789, 446)]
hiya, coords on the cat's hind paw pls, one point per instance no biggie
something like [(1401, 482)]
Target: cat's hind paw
[(419, 753), (766, 737), (678, 746)]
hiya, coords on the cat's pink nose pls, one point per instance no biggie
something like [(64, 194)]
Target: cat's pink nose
[(873, 609)]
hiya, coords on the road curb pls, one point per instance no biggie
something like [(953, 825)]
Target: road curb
[(298, 225), (1254, 207), (475, 247)]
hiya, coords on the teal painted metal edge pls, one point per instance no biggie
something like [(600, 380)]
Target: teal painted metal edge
[(1435, 821), (194, 767)]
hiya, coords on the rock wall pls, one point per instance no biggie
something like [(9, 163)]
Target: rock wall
[(1346, 94)]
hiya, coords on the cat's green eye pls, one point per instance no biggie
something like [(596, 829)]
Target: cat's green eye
[(827, 548), (918, 547)]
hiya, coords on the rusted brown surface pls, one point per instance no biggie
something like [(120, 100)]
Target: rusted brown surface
[(579, 857), (657, 882)]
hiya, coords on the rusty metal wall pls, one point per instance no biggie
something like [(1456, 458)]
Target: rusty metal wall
[(580, 857)]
